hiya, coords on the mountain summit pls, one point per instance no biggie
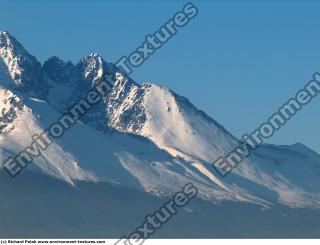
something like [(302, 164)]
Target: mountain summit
[(142, 136), (23, 68)]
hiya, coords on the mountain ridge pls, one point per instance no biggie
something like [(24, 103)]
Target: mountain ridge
[(182, 143)]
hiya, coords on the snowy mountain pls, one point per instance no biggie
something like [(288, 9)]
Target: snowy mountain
[(23, 68), (69, 83), (141, 136), (273, 173)]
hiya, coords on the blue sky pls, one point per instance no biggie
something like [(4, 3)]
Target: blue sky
[(237, 61)]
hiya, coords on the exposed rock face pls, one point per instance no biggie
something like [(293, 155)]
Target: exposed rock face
[(24, 69)]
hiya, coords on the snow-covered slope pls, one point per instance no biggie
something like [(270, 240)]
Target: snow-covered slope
[(141, 136), (169, 120), (86, 154), (274, 173), (55, 161)]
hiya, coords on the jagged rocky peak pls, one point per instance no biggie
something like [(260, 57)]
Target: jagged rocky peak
[(92, 67), (89, 70), (24, 69), (10, 46), (58, 71), (69, 83)]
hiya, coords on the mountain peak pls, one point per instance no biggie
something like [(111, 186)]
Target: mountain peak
[(10, 44), (57, 70), (23, 68), (182, 140), (93, 67), (92, 57), (3, 34)]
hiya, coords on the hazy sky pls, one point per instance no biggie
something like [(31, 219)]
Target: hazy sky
[(236, 61)]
